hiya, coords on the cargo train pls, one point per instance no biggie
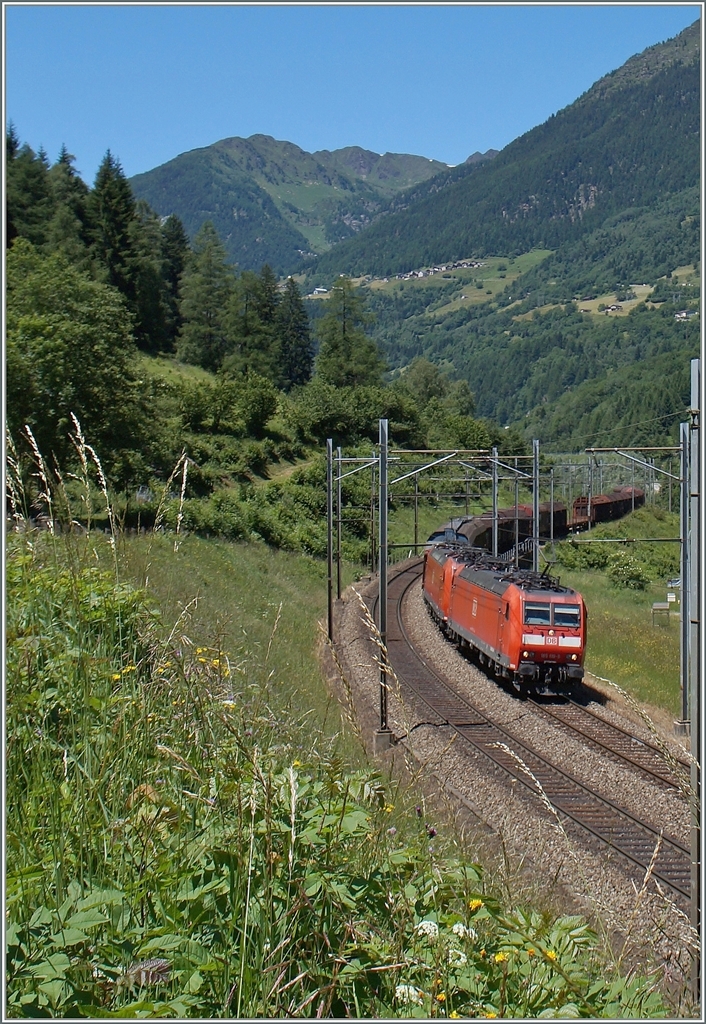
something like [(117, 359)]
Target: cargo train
[(477, 531)]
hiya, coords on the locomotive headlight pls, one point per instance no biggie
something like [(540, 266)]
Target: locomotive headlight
[(573, 657), (525, 654)]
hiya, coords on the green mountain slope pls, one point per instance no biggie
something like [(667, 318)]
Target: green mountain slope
[(603, 204), (272, 201), (630, 140)]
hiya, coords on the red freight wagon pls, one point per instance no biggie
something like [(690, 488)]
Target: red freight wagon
[(523, 625)]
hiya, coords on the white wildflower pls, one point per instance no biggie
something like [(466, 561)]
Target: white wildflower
[(463, 932), (428, 928), (409, 994), (457, 958)]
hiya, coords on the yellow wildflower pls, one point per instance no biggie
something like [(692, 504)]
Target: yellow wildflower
[(531, 952), (296, 764), (491, 1014), (500, 958), (454, 1015), (129, 668), (389, 808), (475, 904), (441, 998), (202, 660), (115, 676), (550, 954)]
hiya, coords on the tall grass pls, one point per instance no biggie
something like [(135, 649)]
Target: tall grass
[(178, 845)]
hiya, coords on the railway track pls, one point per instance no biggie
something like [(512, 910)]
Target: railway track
[(632, 837), (618, 743)]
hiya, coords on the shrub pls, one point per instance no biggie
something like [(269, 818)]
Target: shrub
[(626, 571)]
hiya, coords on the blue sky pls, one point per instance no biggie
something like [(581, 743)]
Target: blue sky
[(151, 81)]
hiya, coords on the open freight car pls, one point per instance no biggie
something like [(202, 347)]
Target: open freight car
[(522, 625)]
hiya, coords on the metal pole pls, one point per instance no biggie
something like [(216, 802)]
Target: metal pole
[(685, 589), (372, 513), (590, 491), (633, 487), (338, 524), (551, 508), (535, 505), (517, 516), (466, 476), (695, 657), (570, 507), (416, 513), (670, 484), (495, 501), (329, 531), (382, 563)]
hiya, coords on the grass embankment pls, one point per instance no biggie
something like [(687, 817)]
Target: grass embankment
[(623, 643)]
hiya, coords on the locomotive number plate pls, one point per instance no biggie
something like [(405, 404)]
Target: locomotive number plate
[(553, 640)]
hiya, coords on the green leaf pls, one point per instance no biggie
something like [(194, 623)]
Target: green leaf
[(87, 919), (195, 982), (162, 944), (39, 917), (101, 897), (12, 936), (68, 937), (54, 966)]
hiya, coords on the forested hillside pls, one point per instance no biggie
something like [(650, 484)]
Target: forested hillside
[(272, 202), (584, 240), (166, 359), (630, 141)]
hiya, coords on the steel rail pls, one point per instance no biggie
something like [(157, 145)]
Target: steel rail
[(628, 835), (617, 742)]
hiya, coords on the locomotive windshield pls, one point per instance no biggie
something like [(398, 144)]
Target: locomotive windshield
[(537, 613), (567, 615), (540, 613)]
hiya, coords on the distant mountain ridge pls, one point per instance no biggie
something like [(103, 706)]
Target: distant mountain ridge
[(272, 201)]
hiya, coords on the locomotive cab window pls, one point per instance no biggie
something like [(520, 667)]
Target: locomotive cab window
[(537, 613), (567, 615)]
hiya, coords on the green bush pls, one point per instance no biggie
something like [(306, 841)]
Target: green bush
[(626, 571)]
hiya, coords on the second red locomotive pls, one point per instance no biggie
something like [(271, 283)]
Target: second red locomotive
[(521, 624)]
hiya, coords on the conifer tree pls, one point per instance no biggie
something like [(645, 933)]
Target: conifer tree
[(206, 288), (347, 357), (69, 229), (296, 351), (252, 324), (113, 210), (174, 251), (29, 201)]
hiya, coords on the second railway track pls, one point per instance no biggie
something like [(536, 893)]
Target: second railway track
[(632, 837)]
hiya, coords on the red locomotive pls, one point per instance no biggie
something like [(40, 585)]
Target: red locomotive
[(521, 624)]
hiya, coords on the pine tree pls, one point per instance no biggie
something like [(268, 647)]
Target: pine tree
[(151, 300), (206, 288), (174, 251), (296, 351), (29, 201), (69, 230), (347, 357), (252, 325), (113, 210)]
